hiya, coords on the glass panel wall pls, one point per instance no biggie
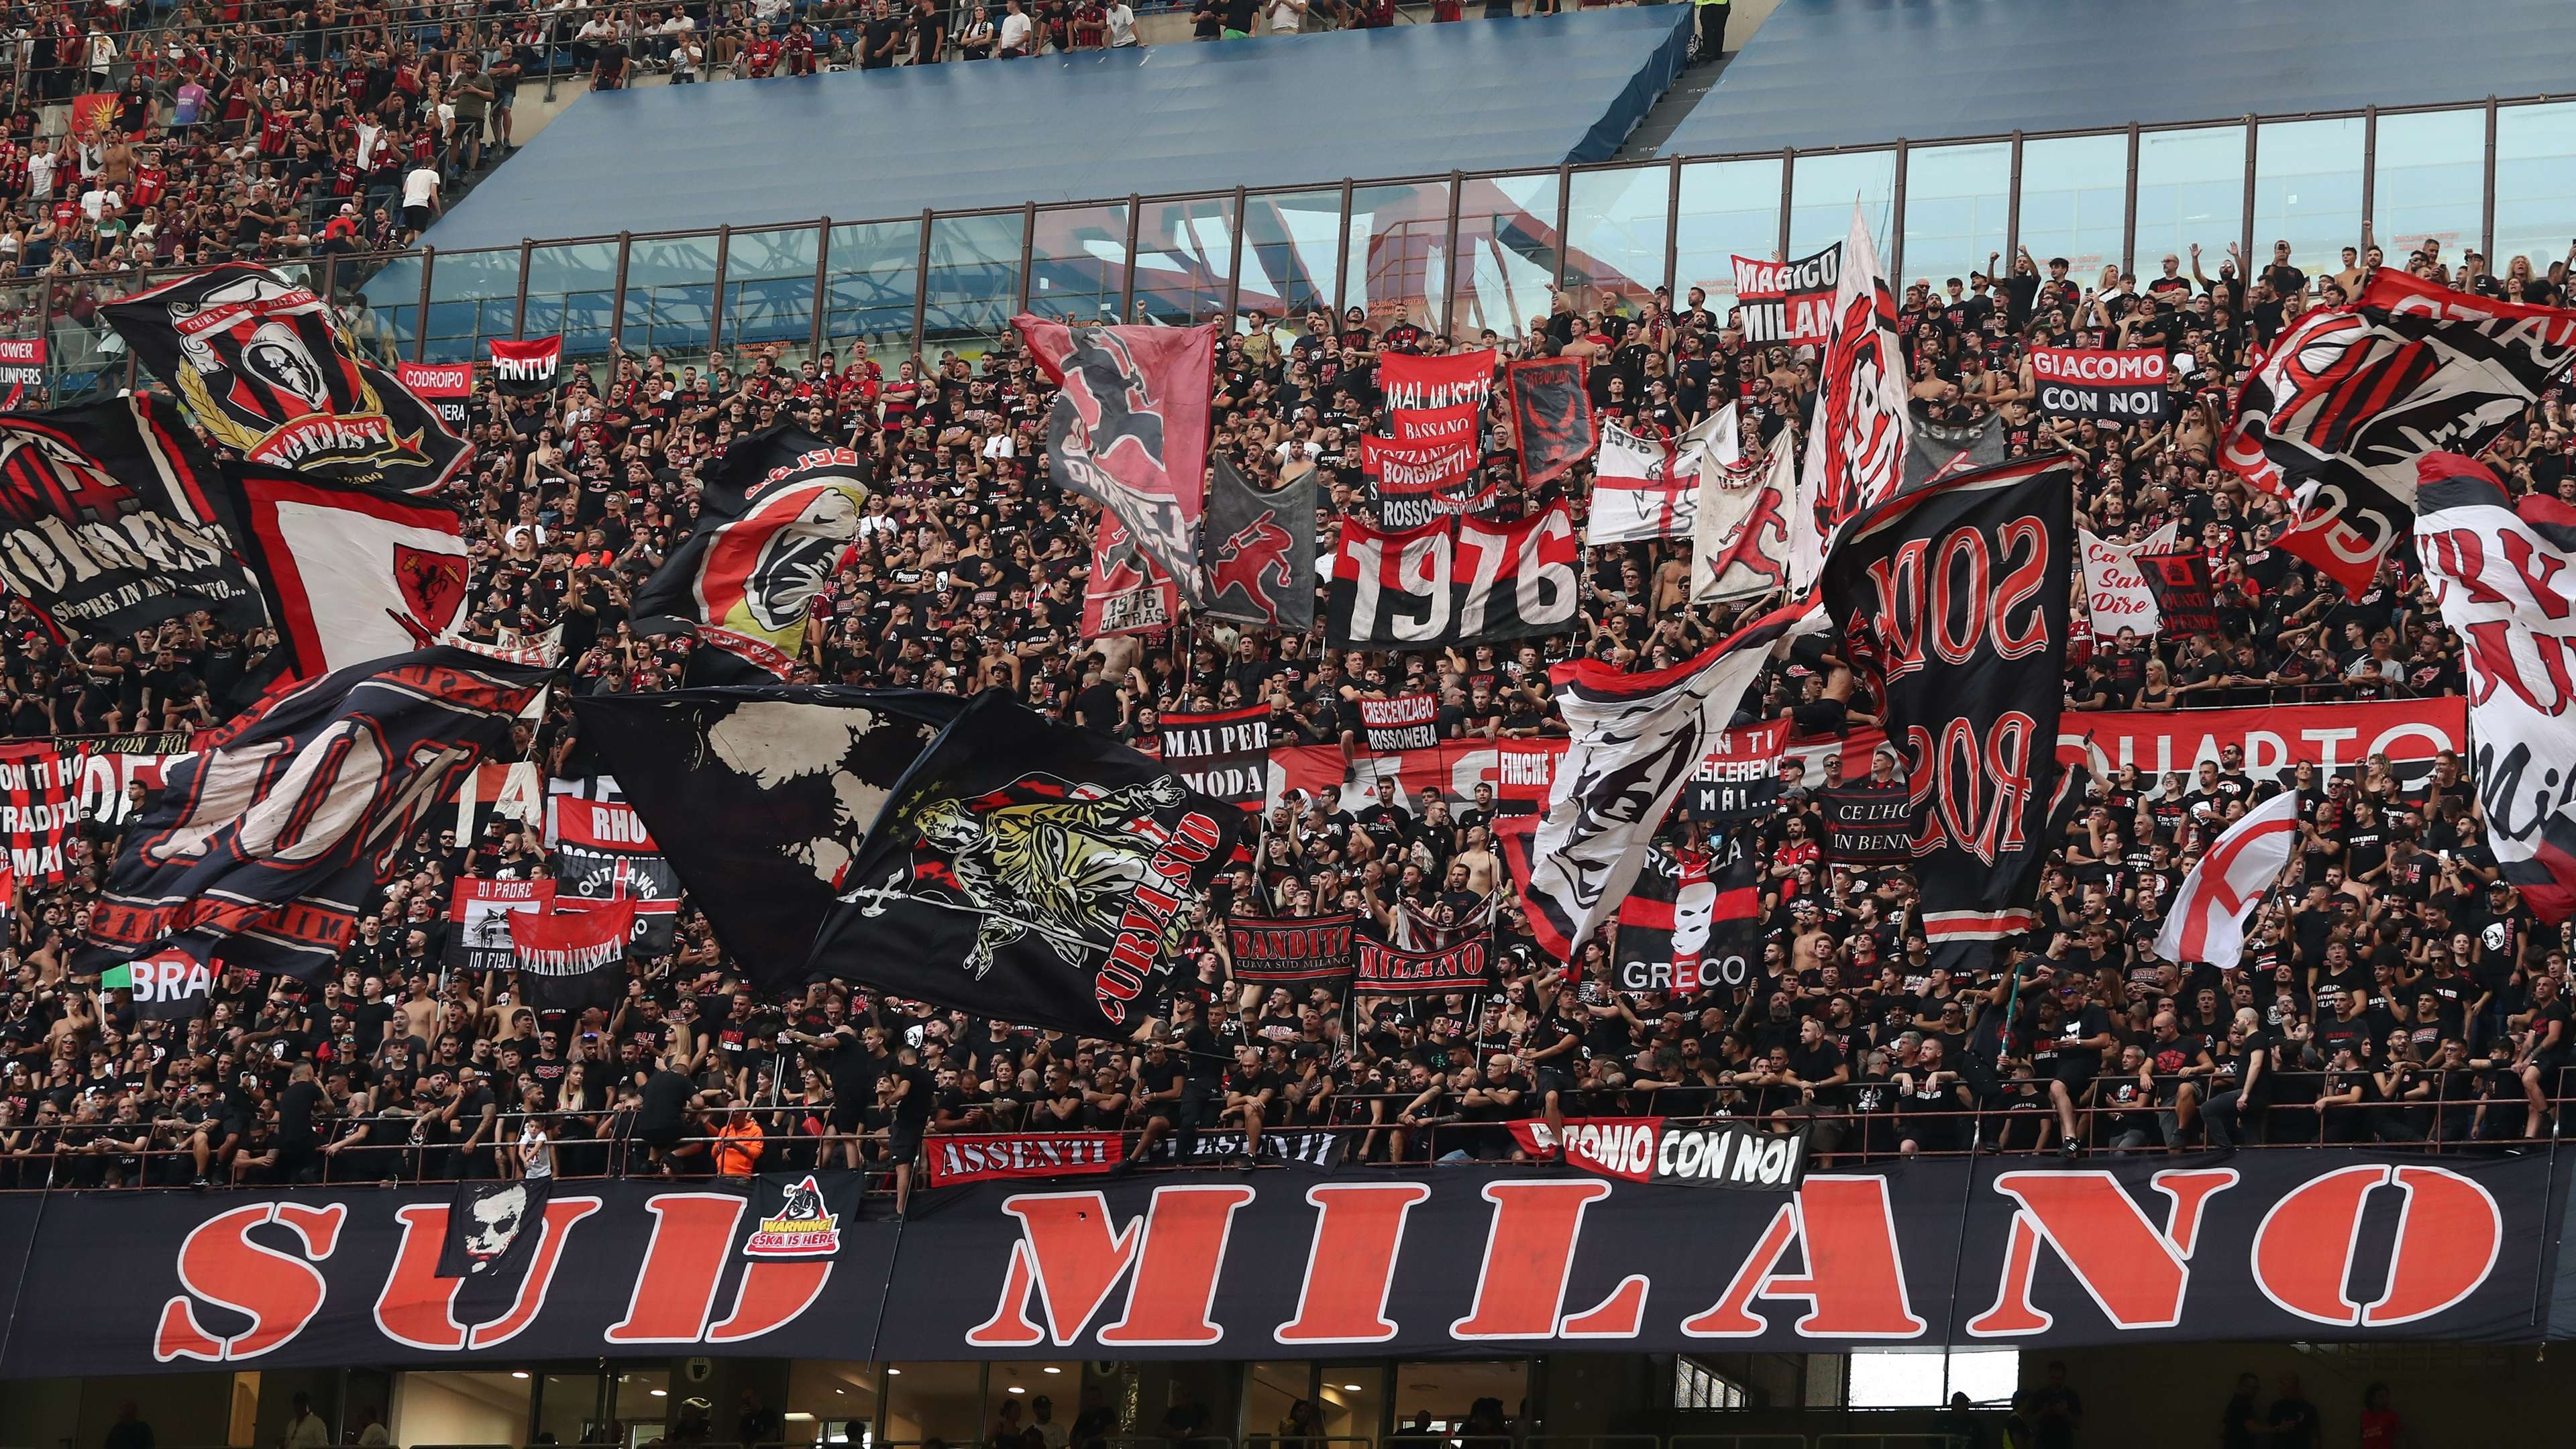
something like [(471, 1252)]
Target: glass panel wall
[(1824, 188), (1078, 263), (2074, 191), (1615, 223), (572, 290), (1507, 250), (1351, 1400), (670, 297), (2307, 191), (1399, 241), (869, 279), (2430, 183), (1292, 243), (974, 283), (934, 1401), (2191, 190), (831, 1402), (473, 295), (639, 1407), (1728, 209), (1958, 204), (1184, 250), (769, 291), (2535, 204)]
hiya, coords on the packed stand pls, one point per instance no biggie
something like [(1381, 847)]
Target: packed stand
[(2393, 989)]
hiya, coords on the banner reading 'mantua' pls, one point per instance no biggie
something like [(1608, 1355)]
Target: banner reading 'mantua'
[(2282, 1246)]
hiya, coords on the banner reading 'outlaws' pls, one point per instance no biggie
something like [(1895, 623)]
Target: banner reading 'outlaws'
[(1459, 581), (2279, 1246)]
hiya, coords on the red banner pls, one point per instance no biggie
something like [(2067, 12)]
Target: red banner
[(975, 1158), (2273, 737), (1612, 1146)]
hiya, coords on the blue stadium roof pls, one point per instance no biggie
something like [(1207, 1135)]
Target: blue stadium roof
[(1856, 72), (1411, 100)]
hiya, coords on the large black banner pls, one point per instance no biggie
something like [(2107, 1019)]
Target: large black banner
[(1031, 871), (1952, 603), (1461, 1262), (1225, 754), (1691, 922), (759, 796), (268, 374), (1458, 581), (1865, 826), (772, 525), (109, 521), (264, 844), (1551, 416)]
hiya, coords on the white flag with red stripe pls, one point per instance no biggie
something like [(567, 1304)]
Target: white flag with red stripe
[(1637, 492), (2207, 922)]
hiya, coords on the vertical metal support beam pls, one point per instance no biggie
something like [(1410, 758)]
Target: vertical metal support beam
[(420, 318), (716, 311), (2129, 227), (1342, 252), (617, 294), (519, 305), (1788, 188), (1564, 217), (1127, 284), (1896, 223), (1234, 264), (2012, 208), (2253, 152), (2369, 183), (2487, 209), (921, 289), (1028, 252), (822, 283), (1449, 259), (45, 331), (1673, 235)]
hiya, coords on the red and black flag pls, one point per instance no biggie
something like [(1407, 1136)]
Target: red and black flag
[(2349, 399), (531, 368), (1551, 415), (2186, 599), (267, 841), (772, 526), (447, 387), (1952, 605), (1393, 971), (110, 521), (606, 858), (572, 961), (352, 573), (266, 371), (1258, 549), (1291, 950), (1028, 871), (39, 811), (1690, 922), (1130, 430)]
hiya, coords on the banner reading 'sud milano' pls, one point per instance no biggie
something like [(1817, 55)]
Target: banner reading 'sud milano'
[(1636, 739), (1225, 754), (2337, 414), (1788, 301), (1130, 430), (1029, 871), (771, 525), (1952, 603), (2123, 385), (110, 523), (527, 369), (447, 387), (2506, 584), (1457, 1262), (263, 846), (263, 368), (1459, 581)]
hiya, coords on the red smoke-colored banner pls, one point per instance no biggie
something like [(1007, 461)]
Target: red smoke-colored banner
[(2279, 1246), (981, 1156)]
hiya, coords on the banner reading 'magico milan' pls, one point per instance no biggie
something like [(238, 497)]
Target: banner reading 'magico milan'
[(1788, 301), (1465, 1261), (1406, 722), (1225, 754), (1459, 581), (2124, 385), (445, 386)]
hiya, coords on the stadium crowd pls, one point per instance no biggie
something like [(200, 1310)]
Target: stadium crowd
[(2393, 989)]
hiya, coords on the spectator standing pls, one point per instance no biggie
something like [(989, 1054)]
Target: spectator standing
[(1122, 25), (420, 199), (1712, 20), (1015, 30), (975, 41)]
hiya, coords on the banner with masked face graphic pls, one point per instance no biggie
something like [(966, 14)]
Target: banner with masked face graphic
[(772, 525), (1130, 430), (1691, 922), (2348, 400), (351, 573), (493, 1228), (1258, 549), (265, 370)]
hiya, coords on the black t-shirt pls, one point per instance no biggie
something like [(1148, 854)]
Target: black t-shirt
[(666, 1093), (914, 1109), (295, 1113)]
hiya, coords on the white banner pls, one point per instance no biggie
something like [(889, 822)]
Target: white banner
[(2115, 592)]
